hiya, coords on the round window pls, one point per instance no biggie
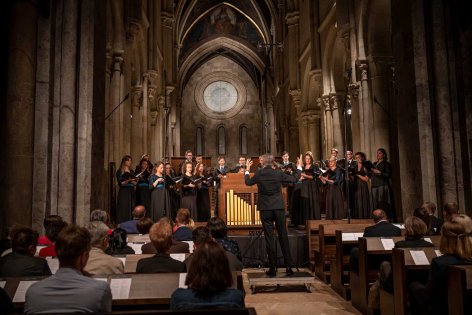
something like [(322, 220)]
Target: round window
[(220, 96)]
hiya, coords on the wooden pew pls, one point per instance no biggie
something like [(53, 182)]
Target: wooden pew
[(312, 231), (326, 251), (131, 261), (340, 265), (460, 290)]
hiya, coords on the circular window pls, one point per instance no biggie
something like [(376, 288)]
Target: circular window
[(220, 96)]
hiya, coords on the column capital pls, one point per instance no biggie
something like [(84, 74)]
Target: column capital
[(134, 28), (152, 90), (363, 68), (117, 63), (309, 116), (327, 104), (169, 89), (292, 18), (167, 19), (152, 76), (354, 89), (136, 96), (336, 100), (296, 97)]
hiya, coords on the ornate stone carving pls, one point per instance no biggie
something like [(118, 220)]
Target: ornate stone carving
[(336, 100), (296, 97), (152, 90), (118, 63), (354, 89), (363, 71), (319, 102), (133, 30), (292, 18), (152, 76), (326, 103), (154, 115), (136, 96), (167, 19), (310, 116)]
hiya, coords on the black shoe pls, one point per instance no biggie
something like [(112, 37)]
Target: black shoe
[(271, 272), (289, 271)]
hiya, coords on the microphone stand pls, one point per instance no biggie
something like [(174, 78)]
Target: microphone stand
[(346, 107), (166, 110)]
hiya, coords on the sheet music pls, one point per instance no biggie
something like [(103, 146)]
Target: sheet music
[(399, 225), (349, 237), (20, 293), (387, 243), (182, 278), (438, 252), (120, 288), (179, 257), (419, 257), (53, 264), (123, 260), (102, 279), (136, 247), (190, 245), (358, 235), (427, 239), (2, 284), (38, 248)]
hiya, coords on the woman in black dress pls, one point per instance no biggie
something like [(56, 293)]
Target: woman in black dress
[(126, 194), (333, 180), (143, 195), (160, 203), (203, 195), (174, 193), (309, 199), (382, 197), (362, 208), (189, 192)]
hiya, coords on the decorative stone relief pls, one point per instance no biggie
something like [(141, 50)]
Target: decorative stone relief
[(292, 18), (336, 100), (363, 71), (167, 19), (152, 90), (309, 117), (296, 97), (326, 102), (137, 96), (354, 89), (133, 30)]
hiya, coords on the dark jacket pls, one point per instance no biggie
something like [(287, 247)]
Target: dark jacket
[(269, 186), (413, 242), (183, 233), (159, 263), (20, 265), (383, 178), (176, 248), (130, 226), (187, 299), (382, 229)]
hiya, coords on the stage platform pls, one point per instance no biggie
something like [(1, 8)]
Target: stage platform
[(304, 278), (252, 246)]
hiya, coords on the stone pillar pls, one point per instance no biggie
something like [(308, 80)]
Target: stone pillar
[(294, 144), (337, 104), (328, 123), (271, 120), (295, 110), (311, 119), (355, 116), (116, 117), (18, 188), (137, 127), (173, 134), (292, 19), (365, 113)]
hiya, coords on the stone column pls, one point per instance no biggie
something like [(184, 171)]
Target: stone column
[(355, 116), (271, 120), (292, 19), (115, 118), (328, 123), (365, 113), (295, 110), (18, 180), (137, 127), (337, 104), (311, 119), (173, 134)]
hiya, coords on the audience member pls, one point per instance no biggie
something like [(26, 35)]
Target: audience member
[(423, 214), (161, 238), (43, 239), (435, 222), (209, 282), (466, 221), (52, 231), (415, 230), (183, 232), (219, 231), (99, 215), (98, 262), (6, 303), (6, 242), (69, 291), (117, 244), (21, 261), (177, 246), (130, 226), (457, 250), (200, 236), (382, 227), (144, 225), (450, 211)]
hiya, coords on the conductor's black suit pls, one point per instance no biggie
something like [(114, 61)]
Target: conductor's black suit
[(271, 206)]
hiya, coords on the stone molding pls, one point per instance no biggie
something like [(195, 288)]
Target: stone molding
[(363, 70), (292, 18), (354, 89), (118, 62), (296, 97), (167, 19), (309, 116), (134, 28)]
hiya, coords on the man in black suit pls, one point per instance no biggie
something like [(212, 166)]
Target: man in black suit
[(382, 227), (21, 261), (271, 206), (218, 173), (161, 238)]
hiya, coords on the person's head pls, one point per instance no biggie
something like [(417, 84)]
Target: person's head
[(285, 156), (379, 215), (360, 157), (168, 168), (126, 162), (187, 168), (158, 168), (200, 236), (145, 156), (161, 235), (98, 233), (209, 271), (267, 160), (349, 155), (308, 159), (261, 160), (423, 214), (455, 241), (334, 152), (242, 160), (24, 241), (450, 210), (144, 225), (199, 169), (332, 163), (218, 228), (139, 212), (183, 216), (118, 239), (73, 246), (466, 221), (188, 155), (415, 227), (382, 154), (99, 215), (199, 159), (144, 164), (49, 219), (221, 161), (54, 228), (429, 206)]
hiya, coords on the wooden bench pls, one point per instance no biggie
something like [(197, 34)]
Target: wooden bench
[(340, 265), (131, 261), (312, 231), (460, 290), (326, 251)]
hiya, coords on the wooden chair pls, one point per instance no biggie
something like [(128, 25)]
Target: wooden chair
[(460, 290)]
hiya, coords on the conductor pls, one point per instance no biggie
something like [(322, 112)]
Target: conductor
[(271, 206)]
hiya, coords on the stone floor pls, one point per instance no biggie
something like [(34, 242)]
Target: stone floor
[(295, 300)]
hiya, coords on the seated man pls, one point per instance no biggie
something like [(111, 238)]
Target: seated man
[(130, 226), (69, 291), (219, 232), (183, 232), (200, 236), (100, 263), (382, 227), (21, 261), (144, 225), (161, 238)]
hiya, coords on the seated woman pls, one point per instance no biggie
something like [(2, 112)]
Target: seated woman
[(52, 231), (431, 298), (183, 232), (219, 231), (209, 282), (118, 244)]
